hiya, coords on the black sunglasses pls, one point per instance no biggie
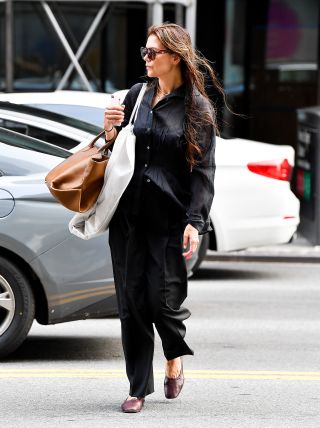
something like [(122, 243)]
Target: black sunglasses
[(151, 52)]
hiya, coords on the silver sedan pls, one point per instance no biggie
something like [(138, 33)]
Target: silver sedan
[(45, 272)]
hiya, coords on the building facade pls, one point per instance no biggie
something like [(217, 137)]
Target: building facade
[(265, 52)]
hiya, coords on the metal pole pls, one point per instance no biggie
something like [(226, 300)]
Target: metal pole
[(318, 80), (191, 20), (149, 14), (84, 43), (9, 75), (157, 13), (66, 45)]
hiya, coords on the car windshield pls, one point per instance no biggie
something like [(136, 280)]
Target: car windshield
[(15, 139), (93, 115), (50, 115)]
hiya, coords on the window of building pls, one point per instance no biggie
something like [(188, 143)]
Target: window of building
[(270, 66), (110, 61), (283, 68), (292, 40)]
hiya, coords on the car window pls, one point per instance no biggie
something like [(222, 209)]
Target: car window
[(64, 120), (15, 139), (39, 133), (93, 115)]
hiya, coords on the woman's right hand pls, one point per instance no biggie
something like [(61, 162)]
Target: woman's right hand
[(113, 116)]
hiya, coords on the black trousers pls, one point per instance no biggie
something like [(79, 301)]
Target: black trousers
[(151, 283)]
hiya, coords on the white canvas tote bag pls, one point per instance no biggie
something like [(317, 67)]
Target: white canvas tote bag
[(118, 174)]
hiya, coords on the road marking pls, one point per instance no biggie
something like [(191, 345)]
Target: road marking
[(189, 374)]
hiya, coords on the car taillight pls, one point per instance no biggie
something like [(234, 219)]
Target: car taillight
[(280, 170)]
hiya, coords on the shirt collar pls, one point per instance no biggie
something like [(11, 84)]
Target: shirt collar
[(178, 92)]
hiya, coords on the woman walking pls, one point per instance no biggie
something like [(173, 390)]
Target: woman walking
[(165, 207)]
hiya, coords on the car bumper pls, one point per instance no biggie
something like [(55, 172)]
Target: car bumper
[(257, 232)]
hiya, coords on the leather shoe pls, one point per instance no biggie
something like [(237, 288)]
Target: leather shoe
[(173, 386), (134, 405)]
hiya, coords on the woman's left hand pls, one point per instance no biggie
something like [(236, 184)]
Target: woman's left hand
[(191, 237)]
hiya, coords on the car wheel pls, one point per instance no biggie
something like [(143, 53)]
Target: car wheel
[(17, 307)]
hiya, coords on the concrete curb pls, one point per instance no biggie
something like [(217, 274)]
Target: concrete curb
[(300, 250), (271, 258)]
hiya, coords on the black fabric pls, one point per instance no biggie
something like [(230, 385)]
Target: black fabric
[(151, 283), (161, 155)]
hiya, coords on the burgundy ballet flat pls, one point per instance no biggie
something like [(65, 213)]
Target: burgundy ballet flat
[(132, 406), (173, 386)]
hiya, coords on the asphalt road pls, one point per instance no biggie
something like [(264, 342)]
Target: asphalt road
[(255, 332)]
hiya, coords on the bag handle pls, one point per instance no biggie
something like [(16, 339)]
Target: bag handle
[(131, 121), (105, 146)]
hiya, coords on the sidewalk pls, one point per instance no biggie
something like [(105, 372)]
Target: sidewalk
[(298, 251)]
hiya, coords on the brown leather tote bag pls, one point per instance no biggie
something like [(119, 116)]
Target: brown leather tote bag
[(77, 181)]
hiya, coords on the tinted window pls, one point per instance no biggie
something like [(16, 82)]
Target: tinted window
[(39, 133), (17, 140)]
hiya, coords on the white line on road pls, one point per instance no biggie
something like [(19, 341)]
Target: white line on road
[(189, 374)]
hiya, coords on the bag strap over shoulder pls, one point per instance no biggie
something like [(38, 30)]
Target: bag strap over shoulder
[(137, 104)]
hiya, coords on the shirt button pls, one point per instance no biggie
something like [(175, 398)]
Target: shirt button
[(146, 165), (148, 147), (151, 112), (148, 181)]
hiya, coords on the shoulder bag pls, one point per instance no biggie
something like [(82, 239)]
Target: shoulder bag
[(77, 181)]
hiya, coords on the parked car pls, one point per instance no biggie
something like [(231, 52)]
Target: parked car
[(45, 272), (253, 205)]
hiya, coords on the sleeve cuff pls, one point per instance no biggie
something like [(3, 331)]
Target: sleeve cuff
[(197, 224)]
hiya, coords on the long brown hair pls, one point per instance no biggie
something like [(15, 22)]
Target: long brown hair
[(195, 69)]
